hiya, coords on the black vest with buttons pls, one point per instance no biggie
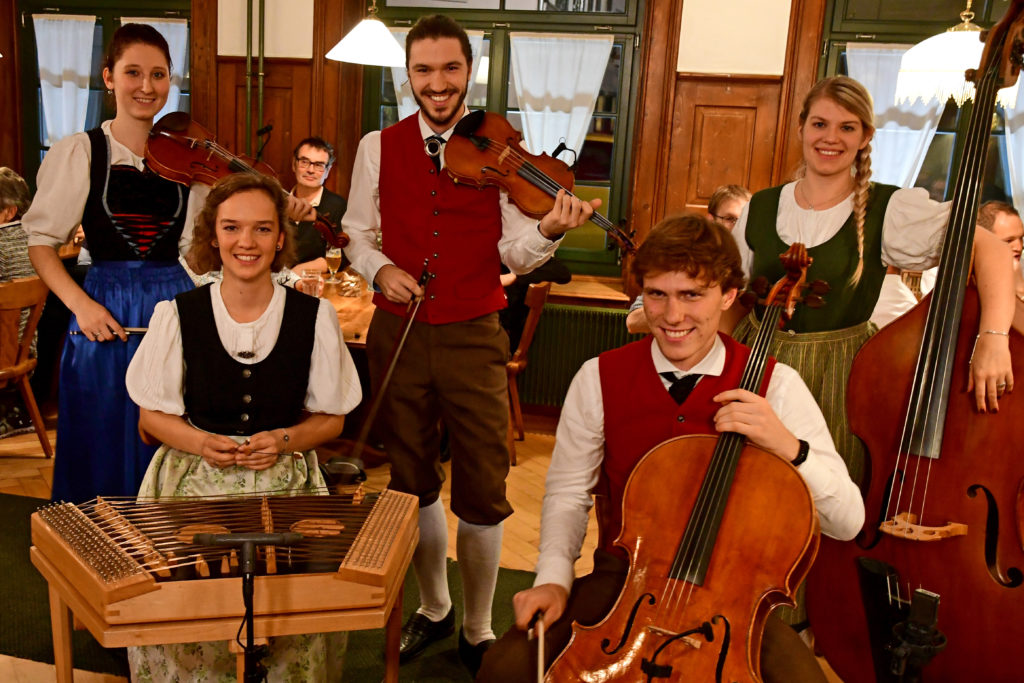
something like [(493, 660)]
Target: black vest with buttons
[(225, 396)]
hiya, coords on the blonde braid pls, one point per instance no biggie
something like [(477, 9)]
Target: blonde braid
[(861, 185)]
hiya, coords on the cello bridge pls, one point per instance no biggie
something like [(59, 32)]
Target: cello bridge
[(689, 640), (904, 525)]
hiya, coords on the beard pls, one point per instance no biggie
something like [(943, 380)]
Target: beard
[(448, 117)]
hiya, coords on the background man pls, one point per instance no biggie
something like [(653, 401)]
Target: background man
[(311, 162), (622, 404), (452, 368)]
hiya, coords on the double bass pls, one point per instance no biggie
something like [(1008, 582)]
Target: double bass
[(944, 491), (719, 533)]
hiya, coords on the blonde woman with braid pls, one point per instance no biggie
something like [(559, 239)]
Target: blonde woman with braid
[(854, 229)]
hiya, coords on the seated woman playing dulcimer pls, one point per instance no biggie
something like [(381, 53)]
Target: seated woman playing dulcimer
[(219, 383)]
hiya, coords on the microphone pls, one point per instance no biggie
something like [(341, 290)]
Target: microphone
[(238, 540), (265, 129)]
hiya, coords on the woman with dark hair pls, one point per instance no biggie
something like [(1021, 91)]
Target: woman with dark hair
[(238, 405), (135, 223)]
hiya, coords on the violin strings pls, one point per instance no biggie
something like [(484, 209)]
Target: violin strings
[(548, 184)]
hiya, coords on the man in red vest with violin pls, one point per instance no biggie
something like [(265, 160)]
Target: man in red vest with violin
[(681, 379), (452, 367)]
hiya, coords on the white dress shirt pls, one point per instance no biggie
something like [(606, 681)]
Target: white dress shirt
[(579, 452), (522, 247)]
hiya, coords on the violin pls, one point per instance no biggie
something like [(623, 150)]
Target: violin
[(182, 151), (484, 150), (937, 572), (694, 604)]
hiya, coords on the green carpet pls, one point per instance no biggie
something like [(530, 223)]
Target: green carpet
[(25, 624)]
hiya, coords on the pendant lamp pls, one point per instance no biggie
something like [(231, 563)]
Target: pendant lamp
[(370, 42), (934, 68)]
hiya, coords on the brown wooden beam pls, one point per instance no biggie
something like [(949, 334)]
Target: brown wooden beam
[(10, 88)]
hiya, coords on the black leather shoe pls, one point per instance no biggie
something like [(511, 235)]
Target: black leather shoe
[(472, 655), (419, 632)]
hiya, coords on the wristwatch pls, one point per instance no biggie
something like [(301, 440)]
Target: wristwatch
[(801, 454)]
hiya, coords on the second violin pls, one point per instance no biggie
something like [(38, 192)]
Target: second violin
[(181, 150)]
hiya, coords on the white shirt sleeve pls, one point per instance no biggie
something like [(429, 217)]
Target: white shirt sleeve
[(333, 386), (156, 374), (361, 221), (63, 182), (913, 229), (522, 247), (573, 473), (836, 498)]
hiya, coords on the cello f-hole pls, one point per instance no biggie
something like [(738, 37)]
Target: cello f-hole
[(1013, 577), (629, 625)]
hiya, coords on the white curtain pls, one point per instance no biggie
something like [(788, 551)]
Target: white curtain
[(64, 50), (1014, 134), (175, 32), (557, 79), (902, 133), (406, 104)]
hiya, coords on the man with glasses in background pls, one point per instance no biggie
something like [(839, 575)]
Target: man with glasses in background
[(311, 163)]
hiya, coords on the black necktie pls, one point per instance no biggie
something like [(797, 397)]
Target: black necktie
[(434, 142), (682, 386)]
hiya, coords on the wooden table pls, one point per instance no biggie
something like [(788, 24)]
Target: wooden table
[(354, 314)]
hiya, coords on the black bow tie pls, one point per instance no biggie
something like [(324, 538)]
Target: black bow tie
[(681, 386)]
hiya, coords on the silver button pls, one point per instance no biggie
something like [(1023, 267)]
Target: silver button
[(433, 193), (246, 398), (435, 254), (681, 418), (436, 233), (245, 417), (431, 297), (436, 212), (247, 373)]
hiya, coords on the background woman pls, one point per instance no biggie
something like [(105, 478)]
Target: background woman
[(853, 229), (134, 223), (219, 384)]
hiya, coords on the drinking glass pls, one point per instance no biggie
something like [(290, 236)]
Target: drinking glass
[(333, 263), (311, 282)]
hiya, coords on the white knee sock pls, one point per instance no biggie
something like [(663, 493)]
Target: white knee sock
[(430, 562), (479, 549)]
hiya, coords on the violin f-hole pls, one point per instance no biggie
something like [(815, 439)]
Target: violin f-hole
[(629, 625)]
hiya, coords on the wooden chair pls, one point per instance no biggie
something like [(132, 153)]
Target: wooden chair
[(15, 364), (536, 296)]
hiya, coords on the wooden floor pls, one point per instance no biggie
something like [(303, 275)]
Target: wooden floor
[(25, 472)]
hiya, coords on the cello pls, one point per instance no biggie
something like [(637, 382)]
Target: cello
[(943, 532), (742, 536)]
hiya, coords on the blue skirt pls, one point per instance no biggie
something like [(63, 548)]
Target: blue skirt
[(99, 451)]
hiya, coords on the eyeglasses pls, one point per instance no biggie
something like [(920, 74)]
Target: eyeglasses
[(318, 166), (726, 221)]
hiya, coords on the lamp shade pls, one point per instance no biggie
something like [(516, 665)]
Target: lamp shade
[(370, 42), (934, 68)]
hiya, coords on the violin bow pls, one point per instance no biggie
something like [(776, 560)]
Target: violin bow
[(410, 317)]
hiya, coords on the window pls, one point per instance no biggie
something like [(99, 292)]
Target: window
[(100, 106), (602, 163)]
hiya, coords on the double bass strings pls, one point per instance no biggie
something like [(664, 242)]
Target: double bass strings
[(941, 332)]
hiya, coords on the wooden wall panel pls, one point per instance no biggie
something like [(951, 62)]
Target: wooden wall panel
[(723, 131), (10, 88)]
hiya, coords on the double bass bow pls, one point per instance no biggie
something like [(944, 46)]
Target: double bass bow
[(719, 533), (181, 150), (944, 488), (484, 149)]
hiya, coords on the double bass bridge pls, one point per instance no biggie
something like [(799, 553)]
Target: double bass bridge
[(904, 525)]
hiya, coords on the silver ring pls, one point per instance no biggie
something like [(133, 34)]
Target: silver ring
[(1001, 385)]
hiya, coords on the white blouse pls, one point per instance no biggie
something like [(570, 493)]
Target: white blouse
[(63, 181), (156, 375), (912, 229)]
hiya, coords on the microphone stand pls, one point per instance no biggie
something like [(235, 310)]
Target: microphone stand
[(255, 670)]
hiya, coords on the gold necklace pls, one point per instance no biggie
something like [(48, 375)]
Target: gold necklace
[(828, 203)]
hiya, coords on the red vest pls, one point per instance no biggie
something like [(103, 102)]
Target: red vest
[(639, 414), (424, 215)]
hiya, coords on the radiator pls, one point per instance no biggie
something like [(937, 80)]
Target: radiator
[(566, 337)]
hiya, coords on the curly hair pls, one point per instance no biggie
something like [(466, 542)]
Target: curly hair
[(692, 244), (203, 256)]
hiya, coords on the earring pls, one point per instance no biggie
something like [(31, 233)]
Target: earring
[(110, 92), (279, 247), (215, 245)]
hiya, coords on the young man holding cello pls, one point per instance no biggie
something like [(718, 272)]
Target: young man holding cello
[(680, 380), (452, 367)]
